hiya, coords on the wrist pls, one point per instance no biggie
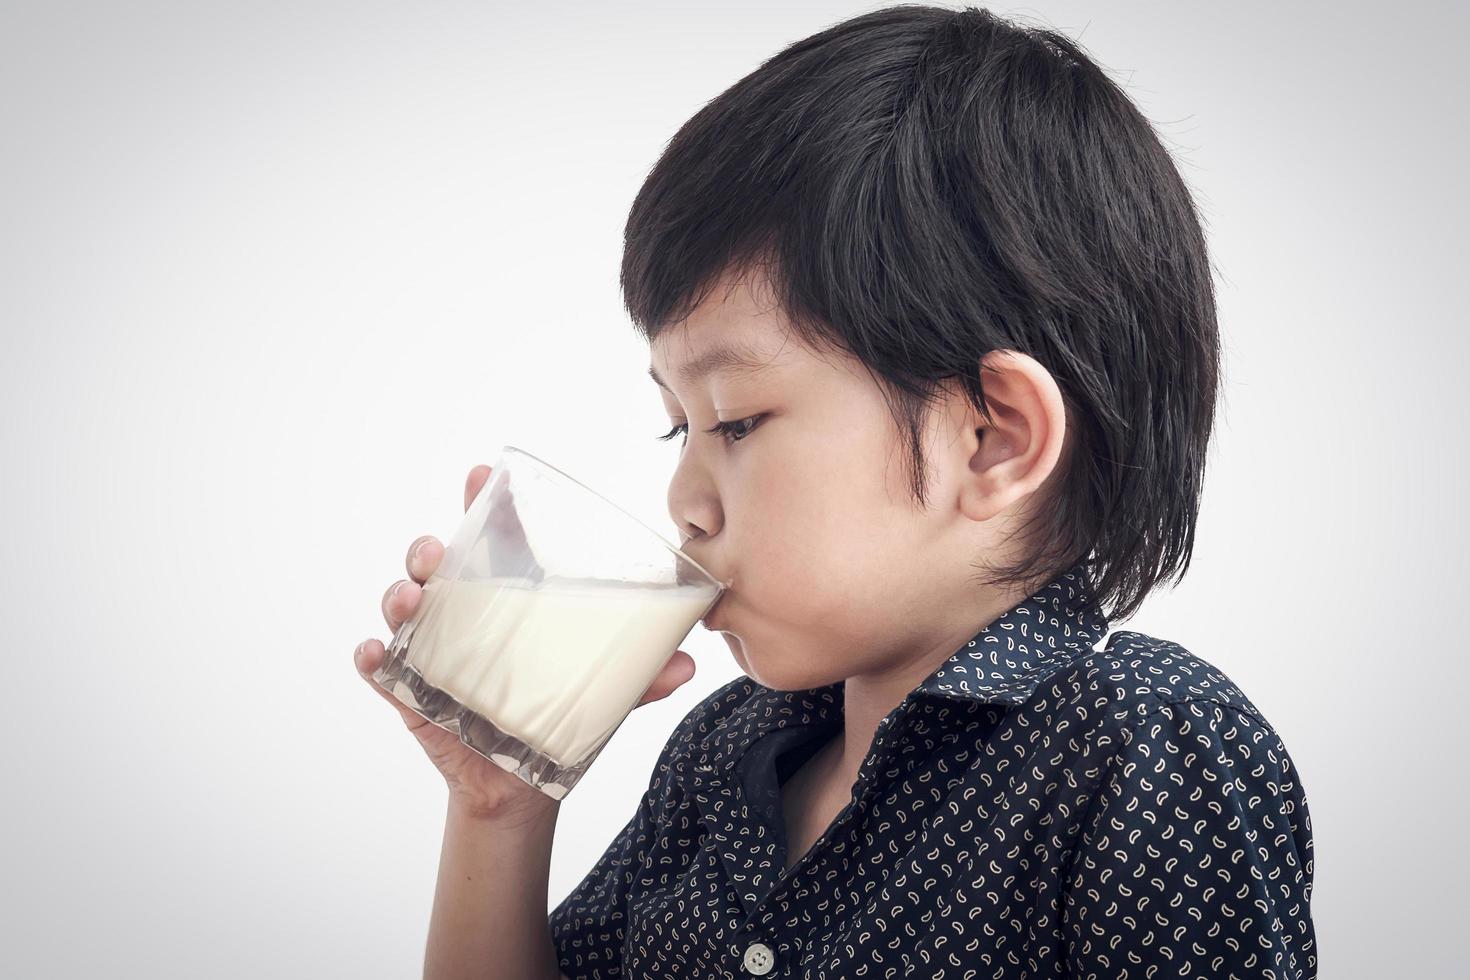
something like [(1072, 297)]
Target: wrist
[(533, 808)]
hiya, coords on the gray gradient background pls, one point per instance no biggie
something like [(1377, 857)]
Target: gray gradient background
[(276, 275)]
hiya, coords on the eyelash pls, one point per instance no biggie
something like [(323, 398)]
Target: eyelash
[(726, 429)]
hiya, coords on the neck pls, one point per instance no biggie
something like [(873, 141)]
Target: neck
[(869, 698)]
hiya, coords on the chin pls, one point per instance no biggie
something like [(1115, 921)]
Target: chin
[(765, 678), (737, 653)]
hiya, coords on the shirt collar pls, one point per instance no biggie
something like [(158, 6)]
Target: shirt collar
[(1005, 661), (1001, 664)]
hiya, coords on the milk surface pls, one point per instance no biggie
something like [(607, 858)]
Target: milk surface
[(557, 664)]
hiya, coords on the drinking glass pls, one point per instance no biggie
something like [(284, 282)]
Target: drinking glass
[(549, 616)]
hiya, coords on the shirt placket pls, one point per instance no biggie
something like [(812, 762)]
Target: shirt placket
[(770, 877)]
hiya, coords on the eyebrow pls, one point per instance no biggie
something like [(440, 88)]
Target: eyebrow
[(727, 358)]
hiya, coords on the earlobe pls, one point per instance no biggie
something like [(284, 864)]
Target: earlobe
[(979, 503)]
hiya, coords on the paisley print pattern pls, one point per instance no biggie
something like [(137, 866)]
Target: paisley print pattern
[(1036, 807)]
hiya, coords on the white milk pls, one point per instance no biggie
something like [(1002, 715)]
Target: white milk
[(557, 665)]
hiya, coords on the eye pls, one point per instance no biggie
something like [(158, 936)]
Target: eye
[(733, 432)]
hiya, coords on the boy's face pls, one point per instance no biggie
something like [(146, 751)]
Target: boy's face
[(835, 569)]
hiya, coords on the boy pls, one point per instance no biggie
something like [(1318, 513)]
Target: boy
[(931, 307), (928, 767)]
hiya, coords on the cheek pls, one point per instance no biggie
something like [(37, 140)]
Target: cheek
[(817, 542), (824, 596), (825, 539)]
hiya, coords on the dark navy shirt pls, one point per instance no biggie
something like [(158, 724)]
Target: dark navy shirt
[(1035, 808)]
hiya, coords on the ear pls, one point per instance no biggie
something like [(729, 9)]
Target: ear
[(1012, 458)]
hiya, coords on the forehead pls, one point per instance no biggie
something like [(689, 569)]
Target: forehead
[(733, 332)]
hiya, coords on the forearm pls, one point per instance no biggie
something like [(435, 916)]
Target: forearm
[(489, 920)]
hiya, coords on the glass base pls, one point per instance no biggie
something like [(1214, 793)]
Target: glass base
[(405, 683)]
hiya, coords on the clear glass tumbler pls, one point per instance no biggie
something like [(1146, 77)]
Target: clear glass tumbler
[(551, 612)]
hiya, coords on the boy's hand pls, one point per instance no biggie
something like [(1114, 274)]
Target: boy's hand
[(479, 784)]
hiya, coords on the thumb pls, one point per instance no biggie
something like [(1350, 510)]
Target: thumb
[(675, 674)]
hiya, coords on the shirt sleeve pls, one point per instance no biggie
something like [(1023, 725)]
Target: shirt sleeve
[(1197, 860), (588, 926)]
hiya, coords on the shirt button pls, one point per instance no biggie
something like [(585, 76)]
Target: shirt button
[(759, 959)]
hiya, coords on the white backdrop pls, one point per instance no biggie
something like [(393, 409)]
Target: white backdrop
[(276, 275)]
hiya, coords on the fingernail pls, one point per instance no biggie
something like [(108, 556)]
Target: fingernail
[(394, 591), (418, 549)]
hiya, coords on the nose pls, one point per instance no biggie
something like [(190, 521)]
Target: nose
[(688, 531), (693, 505)]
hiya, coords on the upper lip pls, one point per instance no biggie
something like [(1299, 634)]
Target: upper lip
[(704, 565)]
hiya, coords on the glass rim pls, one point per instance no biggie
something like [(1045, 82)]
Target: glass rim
[(615, 506)]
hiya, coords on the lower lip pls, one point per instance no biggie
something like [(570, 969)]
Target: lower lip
[(719, 604)]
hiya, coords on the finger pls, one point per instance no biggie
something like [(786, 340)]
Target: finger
[(424, 556), (676, 673), (474, 483), (399, 602), (367, 658)]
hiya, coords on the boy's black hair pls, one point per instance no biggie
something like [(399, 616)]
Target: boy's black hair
[(924, 185)]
